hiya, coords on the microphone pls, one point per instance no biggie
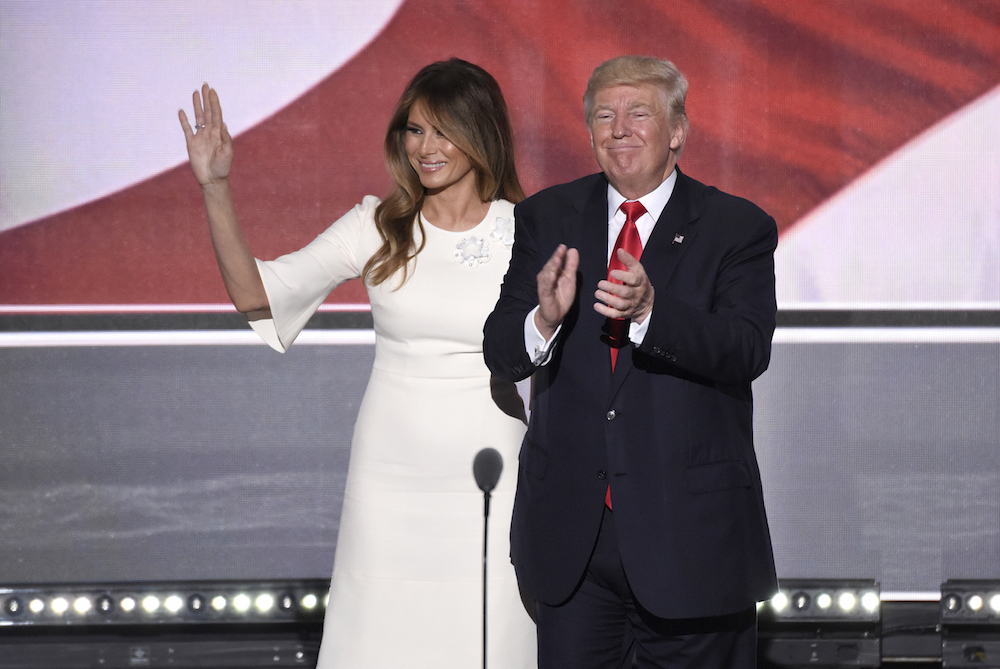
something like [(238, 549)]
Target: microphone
[(486, 468)]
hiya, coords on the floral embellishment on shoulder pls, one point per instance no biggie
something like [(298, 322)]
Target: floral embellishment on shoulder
[(472, 251), (503, 231)]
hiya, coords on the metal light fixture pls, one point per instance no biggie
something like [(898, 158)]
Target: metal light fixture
[(149, 603), (821, 622), (175, 625), (970, 623)]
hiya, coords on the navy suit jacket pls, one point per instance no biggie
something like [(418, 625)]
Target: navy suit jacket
[(670, 429)]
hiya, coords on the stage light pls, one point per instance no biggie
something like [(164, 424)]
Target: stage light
[(981, 602), (241, 602), (970, 623), (159, 624), (264, 603), (813, 601), (202, 602), (821, 623)]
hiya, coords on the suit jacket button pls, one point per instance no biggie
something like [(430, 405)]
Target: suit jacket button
[(611, 415), (602, 474)]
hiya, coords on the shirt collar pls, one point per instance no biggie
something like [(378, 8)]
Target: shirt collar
[(654, 202)]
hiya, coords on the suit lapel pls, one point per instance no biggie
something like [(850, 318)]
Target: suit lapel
[(673, 235), (594, 239), (591, 239)]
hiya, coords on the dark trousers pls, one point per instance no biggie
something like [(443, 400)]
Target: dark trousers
[(602, 626)]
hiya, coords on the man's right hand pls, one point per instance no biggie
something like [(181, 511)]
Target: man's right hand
[(556, 289)]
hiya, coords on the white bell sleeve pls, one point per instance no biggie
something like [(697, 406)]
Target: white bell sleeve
[(297, 283)]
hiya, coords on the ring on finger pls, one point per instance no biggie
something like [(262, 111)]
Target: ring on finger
[(199, 126)]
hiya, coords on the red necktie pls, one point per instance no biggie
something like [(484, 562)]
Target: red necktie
[(629, 240)]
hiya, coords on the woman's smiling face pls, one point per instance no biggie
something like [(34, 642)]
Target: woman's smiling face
[(439, 163)]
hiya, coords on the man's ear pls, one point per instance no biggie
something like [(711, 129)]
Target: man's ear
[(676, 139)]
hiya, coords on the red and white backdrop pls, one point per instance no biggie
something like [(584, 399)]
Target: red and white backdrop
[(870, 130), (867, 128)]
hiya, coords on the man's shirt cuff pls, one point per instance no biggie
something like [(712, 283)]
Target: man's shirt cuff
[(637, 331), (539, 350)]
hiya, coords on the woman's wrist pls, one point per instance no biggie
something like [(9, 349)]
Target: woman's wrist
[(215, 186)]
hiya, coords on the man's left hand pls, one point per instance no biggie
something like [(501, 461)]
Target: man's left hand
[(632, 298)]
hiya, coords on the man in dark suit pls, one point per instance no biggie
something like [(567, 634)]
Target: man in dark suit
[(639, 528)]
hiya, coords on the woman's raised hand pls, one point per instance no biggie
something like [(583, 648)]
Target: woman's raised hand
[(210, 148)]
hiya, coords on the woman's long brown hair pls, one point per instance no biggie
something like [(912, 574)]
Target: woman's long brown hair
[(465, 104)]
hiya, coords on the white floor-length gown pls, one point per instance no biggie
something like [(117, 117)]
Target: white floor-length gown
[(407, 580)]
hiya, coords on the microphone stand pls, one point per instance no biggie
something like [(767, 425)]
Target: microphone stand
[(486, 524), (486, 468)]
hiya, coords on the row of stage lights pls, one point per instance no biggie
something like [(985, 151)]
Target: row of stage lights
[(962, 601), (821, 623), (824, 601), (82, 605), (827, 623), (143, 603), (967, 606), (847, 603), (970, 624)]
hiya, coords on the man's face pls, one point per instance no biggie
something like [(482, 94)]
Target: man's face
[(632, 137)]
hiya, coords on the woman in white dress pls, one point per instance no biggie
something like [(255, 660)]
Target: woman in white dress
[(407, 580)]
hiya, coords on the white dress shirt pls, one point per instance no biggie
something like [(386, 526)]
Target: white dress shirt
[(540, 350)]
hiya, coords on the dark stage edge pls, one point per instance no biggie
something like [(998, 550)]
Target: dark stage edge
[(362, 320), (910, 637)]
